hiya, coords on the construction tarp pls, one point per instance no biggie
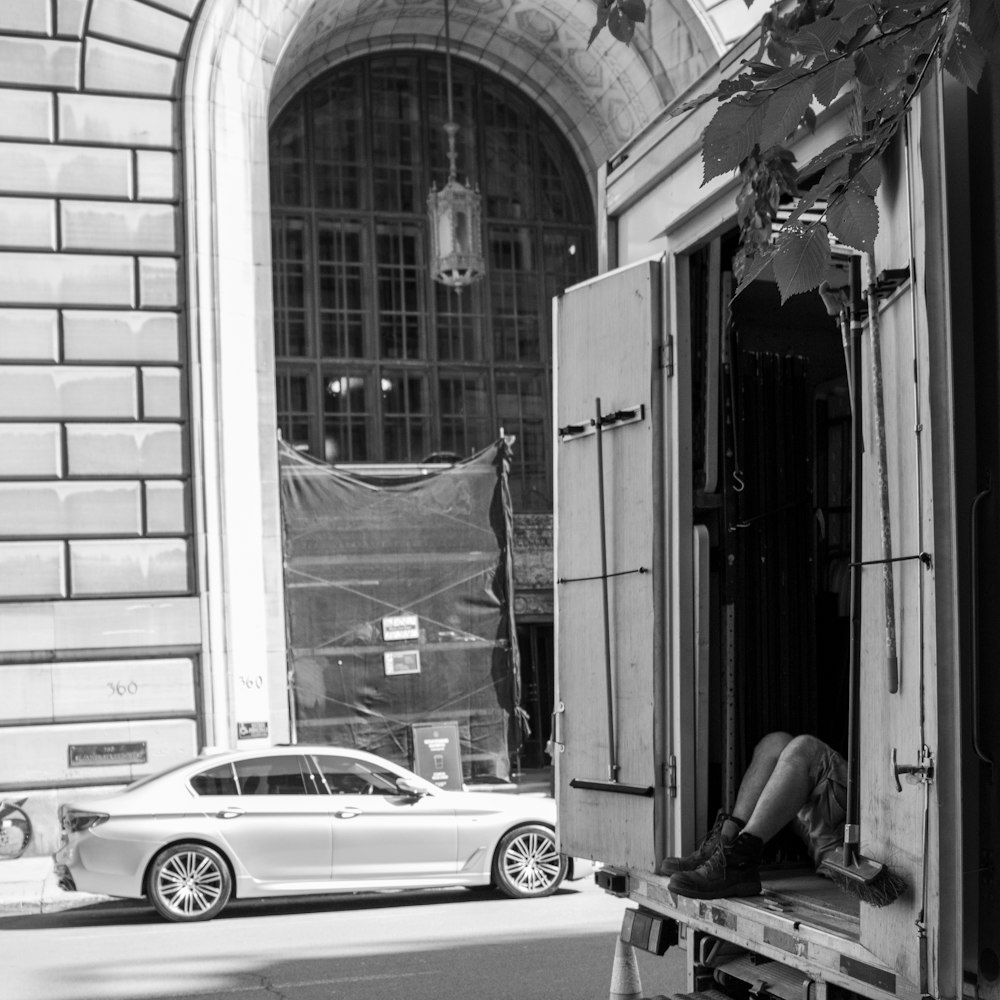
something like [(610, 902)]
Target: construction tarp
[(398, 607)]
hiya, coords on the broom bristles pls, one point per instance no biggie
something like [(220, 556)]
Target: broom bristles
[(880, 889)]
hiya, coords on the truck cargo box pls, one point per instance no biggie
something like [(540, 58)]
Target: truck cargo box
[(704, 518)]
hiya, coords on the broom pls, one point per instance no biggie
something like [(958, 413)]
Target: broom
[(871, 881)]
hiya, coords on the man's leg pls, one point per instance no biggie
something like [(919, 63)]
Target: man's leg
[(728, 825), (778, 783), (766, 756), (788, 788)]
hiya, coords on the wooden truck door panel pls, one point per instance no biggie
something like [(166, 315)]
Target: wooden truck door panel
[(892, 815), (609, 759)]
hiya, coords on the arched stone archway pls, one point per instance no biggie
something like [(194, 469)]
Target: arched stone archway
[(245, 60)]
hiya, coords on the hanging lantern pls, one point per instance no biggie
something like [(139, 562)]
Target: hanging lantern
[(455, 212)]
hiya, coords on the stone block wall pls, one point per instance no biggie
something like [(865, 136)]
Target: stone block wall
[(100, 624)]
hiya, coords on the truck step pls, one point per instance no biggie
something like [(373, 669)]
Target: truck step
[(767, 978)]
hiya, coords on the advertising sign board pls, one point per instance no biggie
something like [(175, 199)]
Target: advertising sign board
[(437, 755)]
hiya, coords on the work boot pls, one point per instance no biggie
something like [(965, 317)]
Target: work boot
[(733, 870), (701, 854)]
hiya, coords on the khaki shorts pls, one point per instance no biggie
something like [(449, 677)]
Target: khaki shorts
[(820, 822)]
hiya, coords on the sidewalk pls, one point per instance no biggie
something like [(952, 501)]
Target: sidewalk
[(28, 885)]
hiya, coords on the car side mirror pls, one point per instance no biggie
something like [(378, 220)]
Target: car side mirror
[(406, 787)]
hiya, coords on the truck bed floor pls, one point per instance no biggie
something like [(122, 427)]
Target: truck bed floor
[(802, 895)]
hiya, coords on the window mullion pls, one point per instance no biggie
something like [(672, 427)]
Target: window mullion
[(373, 368)]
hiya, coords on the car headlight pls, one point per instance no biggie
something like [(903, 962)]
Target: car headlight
[(78, 820)]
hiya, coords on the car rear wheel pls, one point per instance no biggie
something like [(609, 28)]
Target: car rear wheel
[(527, 863), (189, 882)]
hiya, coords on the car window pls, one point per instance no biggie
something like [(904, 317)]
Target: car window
[(284, 775), (145, 780), (218, 780), (348, 776)]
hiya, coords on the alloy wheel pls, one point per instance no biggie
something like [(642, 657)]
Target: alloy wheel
[(190, 882), (528, 863)]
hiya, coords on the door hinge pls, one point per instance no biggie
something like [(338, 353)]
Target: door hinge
[(667, 355), (670, 776)]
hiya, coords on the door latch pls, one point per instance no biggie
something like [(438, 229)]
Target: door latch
[(921, 773)]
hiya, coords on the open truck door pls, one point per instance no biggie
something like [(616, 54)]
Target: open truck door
[(619, 544), (899, 706)]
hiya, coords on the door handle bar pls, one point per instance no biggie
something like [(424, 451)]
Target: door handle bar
[(974, 572)]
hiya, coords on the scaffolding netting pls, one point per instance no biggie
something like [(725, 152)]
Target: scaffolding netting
[(398, 606)]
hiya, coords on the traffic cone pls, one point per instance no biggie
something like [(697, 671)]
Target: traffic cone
[(625, 984)]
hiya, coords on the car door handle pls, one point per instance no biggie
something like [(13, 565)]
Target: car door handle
[(230, 812), (348, 813)]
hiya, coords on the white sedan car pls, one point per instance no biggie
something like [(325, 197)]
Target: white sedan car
[(295, 820)]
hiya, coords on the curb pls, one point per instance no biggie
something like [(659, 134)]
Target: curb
[(34, 900), (29, 886)]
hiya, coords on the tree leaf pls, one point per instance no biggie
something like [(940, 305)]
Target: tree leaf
[(602, 19), (621, 26), (817, 39), (853, 218), (781, 78), (801, 260), (855, 18), (732, 134), (869, 177), (760, 70), (778, 52), (784, 112), (958, 14), (749, 267), (834, 175), (834, 151), (831, 80), (964, 59), (695, 102), (634, 10), (727, 88), (869, 64)]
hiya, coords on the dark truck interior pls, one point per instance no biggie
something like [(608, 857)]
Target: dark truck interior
[(771, 426)]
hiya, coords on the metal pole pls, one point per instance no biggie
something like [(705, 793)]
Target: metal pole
[(612, 750)]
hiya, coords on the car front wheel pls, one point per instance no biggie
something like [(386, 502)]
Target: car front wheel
[(189, 882), (527, 863)]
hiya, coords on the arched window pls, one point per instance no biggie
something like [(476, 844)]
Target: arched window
[(376, 362)]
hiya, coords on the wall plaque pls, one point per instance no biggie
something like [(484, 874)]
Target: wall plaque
[(103, 754)]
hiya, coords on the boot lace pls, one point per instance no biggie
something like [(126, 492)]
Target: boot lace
[(714, 866), (712, 839)]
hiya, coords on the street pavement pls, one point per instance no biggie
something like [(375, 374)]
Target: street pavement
[(427, 945)]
